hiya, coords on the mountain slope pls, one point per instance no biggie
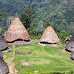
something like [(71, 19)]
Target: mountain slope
[(60, 13)]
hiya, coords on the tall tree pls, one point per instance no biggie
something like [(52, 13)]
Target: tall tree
[(3, 16), (27, 16)]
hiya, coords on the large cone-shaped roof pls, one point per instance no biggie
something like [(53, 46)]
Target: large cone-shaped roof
[(3, 44), (49, 36), (16, 31), (3, 67), (72, 55), (70, 45)]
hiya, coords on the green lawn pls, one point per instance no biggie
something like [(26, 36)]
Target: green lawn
[(42, 59)]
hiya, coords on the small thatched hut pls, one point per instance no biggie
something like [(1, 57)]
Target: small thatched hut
[(17, 33), (3, 44), (3, 67), (70, 45), (49, 37), (67, 40), (72, 55)]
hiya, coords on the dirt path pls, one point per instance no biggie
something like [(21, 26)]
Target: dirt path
[(11, 65)]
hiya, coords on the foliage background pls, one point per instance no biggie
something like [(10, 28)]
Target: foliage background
[(59, 13)]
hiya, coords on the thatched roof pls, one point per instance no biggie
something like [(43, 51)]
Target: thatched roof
[(72, 55), (67, 40), (3, 44), (49, 36), (70, 45), (16, 31), (3, 67)]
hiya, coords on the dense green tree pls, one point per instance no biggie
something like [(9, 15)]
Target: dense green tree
[(4, 14), (34, 32), (27, 16), (62, 35), (1, 31), (46, 23), (60, 13)]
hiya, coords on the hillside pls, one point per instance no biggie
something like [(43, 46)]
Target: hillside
[(60, 13), (42, 59)]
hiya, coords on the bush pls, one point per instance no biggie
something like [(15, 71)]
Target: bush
[(34, 32), (62, 35), (59, 72), (2, 31)]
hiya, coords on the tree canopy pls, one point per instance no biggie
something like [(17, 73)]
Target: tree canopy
[(27, 16)]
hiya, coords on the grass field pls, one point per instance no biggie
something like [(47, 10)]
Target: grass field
[(42, 59)]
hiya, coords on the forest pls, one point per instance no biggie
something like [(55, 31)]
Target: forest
[(58, 13)]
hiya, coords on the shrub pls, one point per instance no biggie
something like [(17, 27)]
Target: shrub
[(62, 35)]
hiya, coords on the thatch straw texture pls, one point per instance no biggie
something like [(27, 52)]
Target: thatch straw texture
[(3, 67), (3, 44), (72, 55), (1, 54), (70, 45), (67, 40), (49, 36), (16, 31)]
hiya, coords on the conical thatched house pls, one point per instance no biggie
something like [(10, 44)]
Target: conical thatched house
[(70, 45), (3, 44), (17, 33), (3, 67), (49, 37), (67, 40)]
